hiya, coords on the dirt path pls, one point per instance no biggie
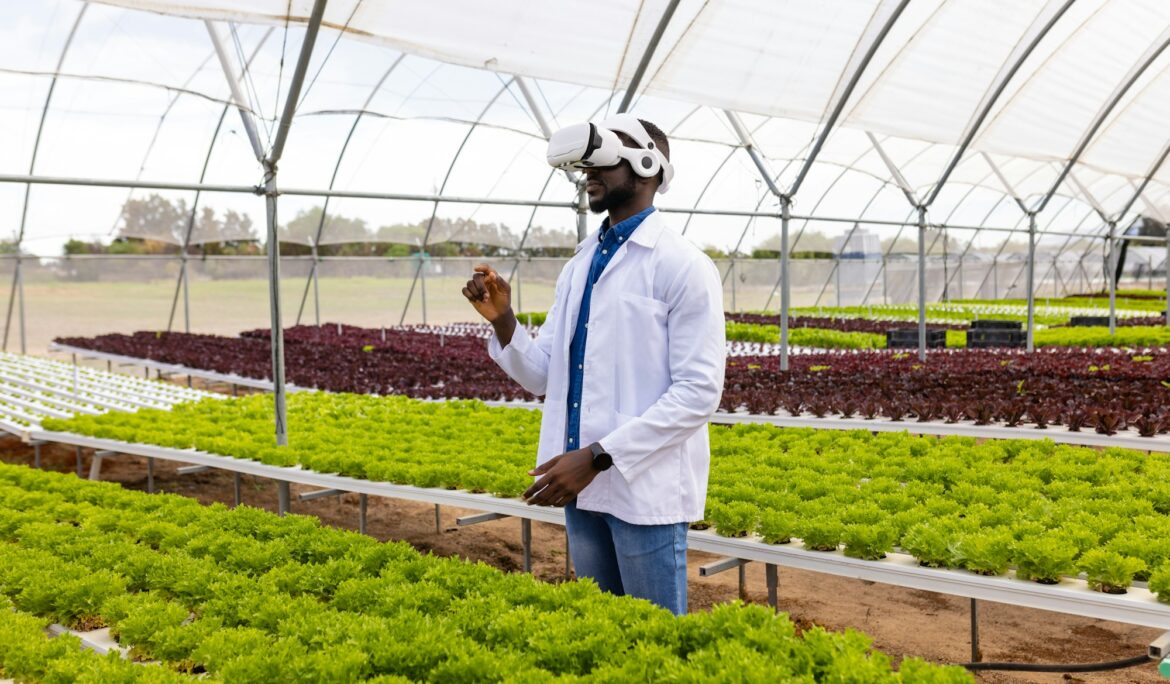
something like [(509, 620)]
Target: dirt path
[(903, 622)]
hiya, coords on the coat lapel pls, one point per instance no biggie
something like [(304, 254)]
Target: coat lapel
[(576, 289)]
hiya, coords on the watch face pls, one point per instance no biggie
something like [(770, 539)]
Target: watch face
[(602, 461)]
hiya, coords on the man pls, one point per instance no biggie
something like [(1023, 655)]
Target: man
[(630, 360)]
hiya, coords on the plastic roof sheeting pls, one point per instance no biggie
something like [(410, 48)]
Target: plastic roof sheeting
[(422, 98)]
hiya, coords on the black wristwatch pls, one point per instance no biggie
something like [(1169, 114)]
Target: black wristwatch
[(601, 459)]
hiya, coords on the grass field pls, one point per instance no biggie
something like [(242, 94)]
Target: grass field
[(227, 307)]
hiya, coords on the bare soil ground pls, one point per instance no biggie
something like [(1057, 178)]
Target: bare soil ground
[(903, 622)]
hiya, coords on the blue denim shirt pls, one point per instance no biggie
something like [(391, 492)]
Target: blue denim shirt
[(611, 239)]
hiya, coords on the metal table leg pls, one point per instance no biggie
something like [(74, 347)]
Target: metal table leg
[(282, 496), (526, 542)]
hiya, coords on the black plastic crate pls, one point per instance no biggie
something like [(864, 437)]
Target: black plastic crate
[(1089, 321), (988, 339), (991, 324), (907, 338)]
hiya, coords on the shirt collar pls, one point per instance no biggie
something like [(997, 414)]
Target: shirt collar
[(625, 228), (647, 236)]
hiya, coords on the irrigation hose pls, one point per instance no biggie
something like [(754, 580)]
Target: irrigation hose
[(1069, 667)]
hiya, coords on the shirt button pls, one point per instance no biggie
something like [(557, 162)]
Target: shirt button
[(570, 440), (580, 365), (574, 404), (605, 251)]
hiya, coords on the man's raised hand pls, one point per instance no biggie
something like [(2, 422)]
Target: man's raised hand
[(491, 296), (489, 293)]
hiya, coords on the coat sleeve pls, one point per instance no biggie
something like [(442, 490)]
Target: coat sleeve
[(697, 353), (526, 360)]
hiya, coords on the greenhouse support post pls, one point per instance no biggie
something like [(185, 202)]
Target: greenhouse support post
[(20, 297), (785, 278), (1111, 275), (270, 196), (316, 286), (1031, 280), (311, 283), (186, 293), (922, 283)]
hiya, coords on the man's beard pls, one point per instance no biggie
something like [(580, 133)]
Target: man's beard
[(613, 197)]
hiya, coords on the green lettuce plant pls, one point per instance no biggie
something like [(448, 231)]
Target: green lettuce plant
[(1109, 572), (735, 519), (1045, 559)]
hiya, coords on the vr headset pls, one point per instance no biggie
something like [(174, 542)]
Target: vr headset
[(588, 145)]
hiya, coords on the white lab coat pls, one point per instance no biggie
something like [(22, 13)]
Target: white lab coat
[(654, 364)]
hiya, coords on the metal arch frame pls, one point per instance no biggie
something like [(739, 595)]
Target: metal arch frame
[(873, 198), (647, 55), (1110, 244), (785, 198), (908, 190), (572, 176), (759, 203), (1030, 332), (1149, 177), (183, 281), (1004, 197), (435, 210), (1052, 220), (312, 279), (763, 197), (992, 96), (1110, 265), (1135, 72), (235, 96), (847, 92), (1088, 214), (1089, 236), (1003, 246), (1067, 243), (270, 162), (948, 277), (983, 223), (17, 275), (270, 170), (954, 209)]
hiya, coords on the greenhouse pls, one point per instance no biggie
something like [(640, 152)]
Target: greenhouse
[(922, 391)]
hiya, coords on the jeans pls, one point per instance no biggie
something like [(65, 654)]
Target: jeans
[(645, 561)]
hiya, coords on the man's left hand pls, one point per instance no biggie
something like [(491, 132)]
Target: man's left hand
[(563, 478)]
